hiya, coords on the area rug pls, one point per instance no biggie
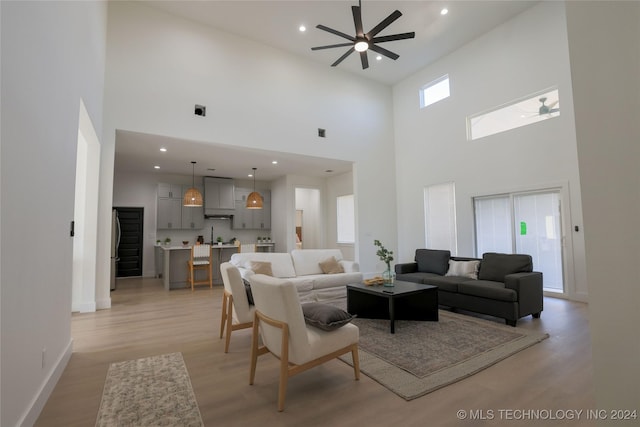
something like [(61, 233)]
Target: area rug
[(153, 391), (424, 356)]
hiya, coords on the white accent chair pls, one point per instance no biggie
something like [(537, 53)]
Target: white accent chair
[(236, 311), (200, 260), (279, 320)]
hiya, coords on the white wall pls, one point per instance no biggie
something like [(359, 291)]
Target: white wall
[(256, 97), (53, 55), (515, 59), (604, 46)]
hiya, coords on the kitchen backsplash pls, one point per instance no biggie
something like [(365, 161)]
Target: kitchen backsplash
[(221, 227)]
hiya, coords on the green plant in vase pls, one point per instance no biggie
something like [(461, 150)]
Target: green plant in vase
[(385, 256)]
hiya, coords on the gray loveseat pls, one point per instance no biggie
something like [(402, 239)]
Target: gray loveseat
[(501, 285)]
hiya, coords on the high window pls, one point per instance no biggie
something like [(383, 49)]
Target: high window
[(521, 112), (435, 91)]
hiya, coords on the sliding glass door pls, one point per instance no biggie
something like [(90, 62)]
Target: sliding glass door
[(526, 223)]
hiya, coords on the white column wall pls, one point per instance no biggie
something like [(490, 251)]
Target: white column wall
[(523, 56), (604, 45), (53, 55)]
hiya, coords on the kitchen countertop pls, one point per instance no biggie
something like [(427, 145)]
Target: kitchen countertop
[(182, 247)]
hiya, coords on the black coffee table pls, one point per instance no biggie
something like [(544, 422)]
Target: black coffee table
[(403, 301)]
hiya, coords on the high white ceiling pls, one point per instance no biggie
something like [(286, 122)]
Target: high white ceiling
[(276, 23)]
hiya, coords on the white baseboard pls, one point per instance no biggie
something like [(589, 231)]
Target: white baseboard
[(32, 414), (84, 307), (103, 304)]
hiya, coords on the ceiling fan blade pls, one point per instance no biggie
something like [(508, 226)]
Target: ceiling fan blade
[(383, 51), (364, 60), (336, 32), (394, 37), (357, 20), (332, 46), (349, 52), (553, 104), (384, 24)]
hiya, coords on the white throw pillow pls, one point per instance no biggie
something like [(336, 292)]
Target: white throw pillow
[(463, 269)]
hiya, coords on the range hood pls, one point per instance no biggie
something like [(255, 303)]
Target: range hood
[(218, 216), (219, 197)]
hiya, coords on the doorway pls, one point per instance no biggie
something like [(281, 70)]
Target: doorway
[(527, 223), (308, 201), (131, 238)]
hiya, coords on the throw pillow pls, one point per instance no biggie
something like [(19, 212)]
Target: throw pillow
[(433, 261), (325, 316), (495, 266), (331, 266), (247, 288), (261, 267), (463, 269)]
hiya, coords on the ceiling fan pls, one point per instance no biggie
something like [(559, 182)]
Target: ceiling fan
[(547, 109), (362, 42)]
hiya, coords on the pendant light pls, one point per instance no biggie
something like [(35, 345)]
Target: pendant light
[(192, 197), (254, 200)]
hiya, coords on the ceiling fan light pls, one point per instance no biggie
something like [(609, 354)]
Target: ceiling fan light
[(192, 198), (361, 46), (254, 200)]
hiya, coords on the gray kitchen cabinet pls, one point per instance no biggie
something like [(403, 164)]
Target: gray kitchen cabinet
[(169, 191), (169, 215), (192, 217), (252, 219)]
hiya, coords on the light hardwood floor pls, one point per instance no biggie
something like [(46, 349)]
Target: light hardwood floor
[(145, 320)]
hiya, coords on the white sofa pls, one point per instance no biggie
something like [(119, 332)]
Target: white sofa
[(302, 267)]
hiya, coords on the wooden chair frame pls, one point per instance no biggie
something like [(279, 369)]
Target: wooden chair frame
[(191, 271), (288, 369), (226, 322)]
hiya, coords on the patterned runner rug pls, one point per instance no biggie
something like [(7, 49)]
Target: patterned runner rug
[(149, 392), (424, 356)]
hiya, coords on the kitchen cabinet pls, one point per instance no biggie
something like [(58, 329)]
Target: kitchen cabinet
[(252, 219), (169, 191), (169, 206), (192, 217), (171, 214), (219, 196)]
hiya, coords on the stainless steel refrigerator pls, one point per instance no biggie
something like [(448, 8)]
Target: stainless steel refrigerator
[(115, 243)]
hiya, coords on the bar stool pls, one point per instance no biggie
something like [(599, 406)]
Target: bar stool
[(200, 260)]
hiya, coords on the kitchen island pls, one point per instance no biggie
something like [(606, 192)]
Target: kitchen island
[(175, 270)]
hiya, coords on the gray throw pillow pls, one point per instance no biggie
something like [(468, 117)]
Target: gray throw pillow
[(325, 316), (433, 261), (247, 288)]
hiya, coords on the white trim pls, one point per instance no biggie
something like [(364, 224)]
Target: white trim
[(37, 404), (103, 304)]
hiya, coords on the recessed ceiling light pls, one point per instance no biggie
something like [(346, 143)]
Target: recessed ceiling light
[(444, 11), (156, 167), (250, 175), (302, 28), (163, 149), (379, 58), (275, 162)]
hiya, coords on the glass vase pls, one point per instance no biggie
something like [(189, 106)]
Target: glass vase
[(388, 276)]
